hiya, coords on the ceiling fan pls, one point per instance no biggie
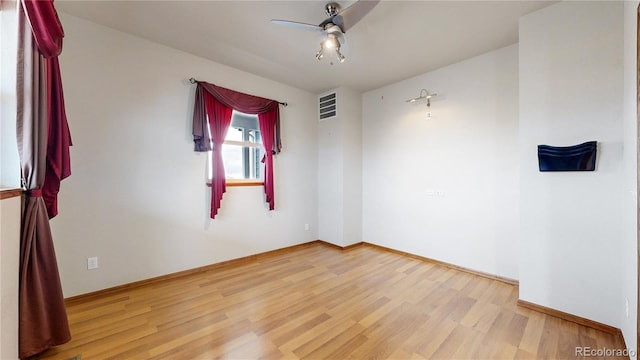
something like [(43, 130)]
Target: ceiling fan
[(333, 28)]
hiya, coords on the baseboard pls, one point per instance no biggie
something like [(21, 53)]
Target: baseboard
[(503, 279), (570, 317), (229, 263), (353, 246), (348, 247)]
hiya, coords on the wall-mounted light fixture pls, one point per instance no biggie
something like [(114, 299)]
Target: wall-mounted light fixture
[(424, 94)]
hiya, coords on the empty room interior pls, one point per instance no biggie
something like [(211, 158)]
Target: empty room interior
[(394, 201)]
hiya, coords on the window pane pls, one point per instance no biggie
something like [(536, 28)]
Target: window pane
[(235, 134), (254, 136), (255, 162), (242, 162), (233, 165), (242, 127)]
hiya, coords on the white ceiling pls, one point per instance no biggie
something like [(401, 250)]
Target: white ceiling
[(395, 41)]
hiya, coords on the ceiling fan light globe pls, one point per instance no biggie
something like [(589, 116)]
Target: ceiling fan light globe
[(331, 42)]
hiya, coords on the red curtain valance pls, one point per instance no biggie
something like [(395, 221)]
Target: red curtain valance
[(248, 104), (245, 103)]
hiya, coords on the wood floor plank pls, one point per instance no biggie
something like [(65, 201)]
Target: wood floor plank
[(438, 331), (450, 345), (319, 333), (283, 334), (548, 345), (390, 334), (319, 302), (532, 334), (202, 341), (316, 341), (481, 316), (341, 342), (471, 345)]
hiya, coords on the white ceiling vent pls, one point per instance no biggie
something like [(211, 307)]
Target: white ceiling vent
[(328, 106)]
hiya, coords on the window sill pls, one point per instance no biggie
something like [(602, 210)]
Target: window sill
[(241, 182), (9, 193)]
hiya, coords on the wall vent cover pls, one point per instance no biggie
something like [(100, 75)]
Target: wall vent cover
[(328, 106)]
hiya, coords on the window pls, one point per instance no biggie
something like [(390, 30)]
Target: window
[(242, 151), (217, 104)]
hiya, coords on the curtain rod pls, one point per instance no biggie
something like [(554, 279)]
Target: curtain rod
[(194, 81)]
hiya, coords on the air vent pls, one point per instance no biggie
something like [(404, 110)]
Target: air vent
[(328, 106)]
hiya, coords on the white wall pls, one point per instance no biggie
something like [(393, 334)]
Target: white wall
[(350, 111), (629, 257), (330, 180), (467, 152), (340, 171), (571, 91), (9, 270), (137, 197)]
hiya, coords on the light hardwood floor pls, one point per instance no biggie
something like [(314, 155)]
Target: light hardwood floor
[(317, 302)]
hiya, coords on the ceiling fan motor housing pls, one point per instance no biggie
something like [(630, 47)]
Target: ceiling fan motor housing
[(332, 9)]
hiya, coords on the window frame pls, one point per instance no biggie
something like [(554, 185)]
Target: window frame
[(244, 145)]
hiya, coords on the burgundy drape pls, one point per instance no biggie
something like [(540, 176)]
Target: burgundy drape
[(58, 139), (219, 121), (48, 33), (43, 141), (267, 123), (269, 118), (201, 137)]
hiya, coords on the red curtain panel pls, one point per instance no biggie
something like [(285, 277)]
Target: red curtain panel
[(267, 123), (219, 121)]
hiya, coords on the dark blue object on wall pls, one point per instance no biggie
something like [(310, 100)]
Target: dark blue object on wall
[(568, 158)]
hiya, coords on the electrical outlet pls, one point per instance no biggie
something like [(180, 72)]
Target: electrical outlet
[(306, 227), (92, 263)]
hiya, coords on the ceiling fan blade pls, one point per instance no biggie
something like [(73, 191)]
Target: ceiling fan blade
[(354, 13), (297, 25)]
